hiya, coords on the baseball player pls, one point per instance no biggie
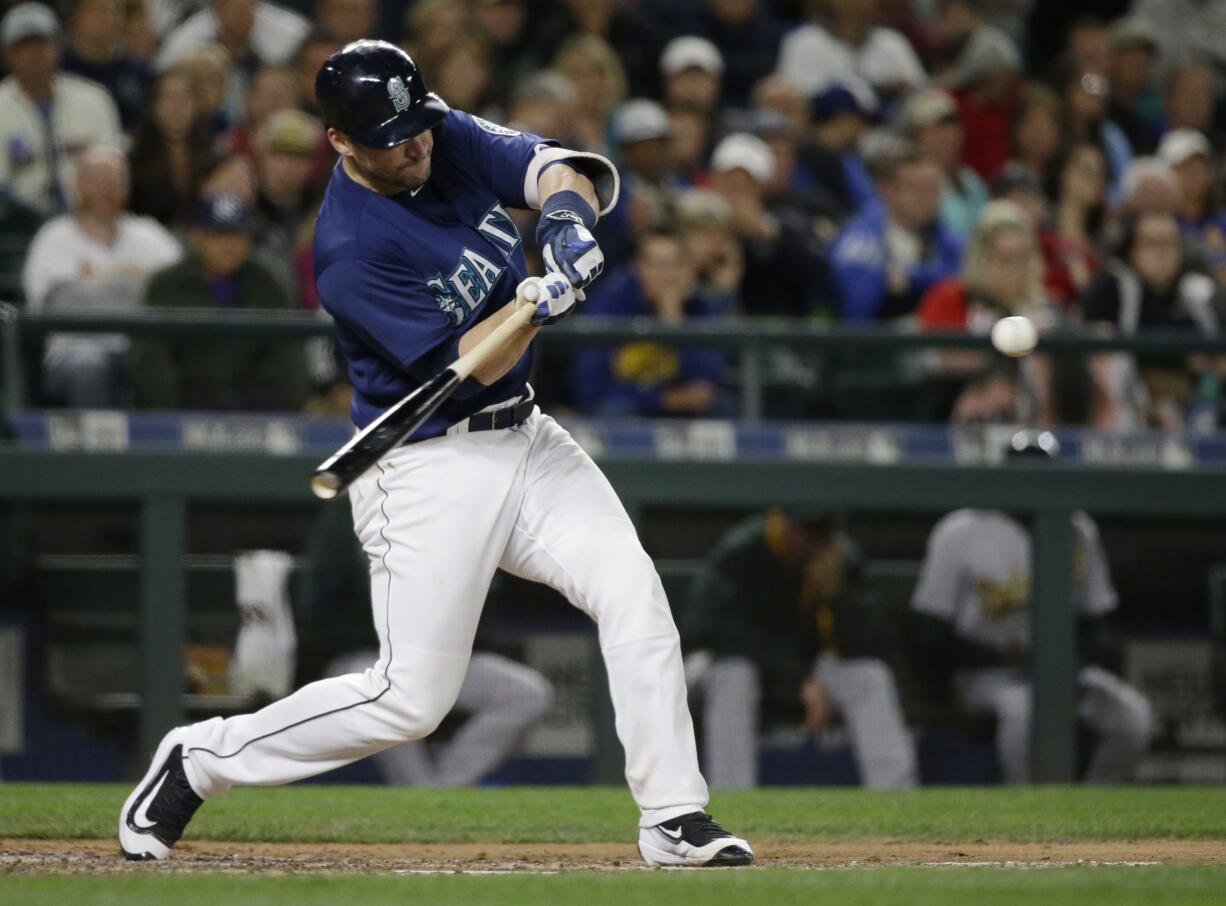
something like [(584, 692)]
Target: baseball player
[(973, 603), (416, 259), (779, 617)]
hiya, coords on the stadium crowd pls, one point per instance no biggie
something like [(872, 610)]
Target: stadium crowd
[(929, 162)]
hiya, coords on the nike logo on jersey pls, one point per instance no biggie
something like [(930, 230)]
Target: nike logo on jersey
[(142, 814)]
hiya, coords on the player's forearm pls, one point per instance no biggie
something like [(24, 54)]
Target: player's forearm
[(561, 178), (502, 361)]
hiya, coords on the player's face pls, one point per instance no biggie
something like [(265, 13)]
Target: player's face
[(394, 170)]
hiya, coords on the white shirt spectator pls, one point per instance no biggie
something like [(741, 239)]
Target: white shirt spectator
[(67, 268), (813, 60), (82, 114), (275, 35)]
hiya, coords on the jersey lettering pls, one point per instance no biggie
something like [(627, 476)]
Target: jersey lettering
[(450, 303), (498, 228)]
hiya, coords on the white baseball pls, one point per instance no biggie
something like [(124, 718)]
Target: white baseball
[(1014, 336)]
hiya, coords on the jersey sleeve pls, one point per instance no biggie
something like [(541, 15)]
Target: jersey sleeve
[(940, 578), (511, 162), (1096, 594), (389, 307)]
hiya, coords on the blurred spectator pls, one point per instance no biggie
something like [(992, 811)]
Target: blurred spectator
[(1190, 99), (463, 78), (779, 627), (234, 373), (649, 378), (1149, 284), (308, 60), (705, 221), (171, 152), (1001, 276), (1080, 209), (543, 104), (984, 76), (286, 150), (1088, 44), (972, 622), (930, 119), (793, 190), (95, 51), (433, 27), (841, 117), (46, 117), (777, 93), (499, 698), (1016, 184), (747, 35), (600, 85), (843, 40), (785, 267), (1135, 102), (630, 30), (1185, 27), (213, 81), (690, 128), (510, 45), (649, 185), (1036, 137), (1201, 216), (140, 41), (1149, 185), (693, 69), (346, 20), (251, 32), (1086, 95), (887, 256), (97, 258), (272, 88)]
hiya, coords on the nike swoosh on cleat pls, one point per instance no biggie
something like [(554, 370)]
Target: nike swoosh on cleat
[(676, 835), (141, 815)]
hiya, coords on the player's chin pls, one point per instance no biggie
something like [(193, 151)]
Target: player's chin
[(414, 175)]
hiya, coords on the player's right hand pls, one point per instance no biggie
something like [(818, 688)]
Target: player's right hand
[(553, 295)]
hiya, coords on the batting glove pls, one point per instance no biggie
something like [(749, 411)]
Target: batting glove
[(565, 239), (553, 295)]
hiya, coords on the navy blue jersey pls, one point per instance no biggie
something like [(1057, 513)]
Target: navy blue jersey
[(406, 276)]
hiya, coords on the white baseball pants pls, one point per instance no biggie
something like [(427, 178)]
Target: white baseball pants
[(1118, 715), (502, 699), (436, 519)]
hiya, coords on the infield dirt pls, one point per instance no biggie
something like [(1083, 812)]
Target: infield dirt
[(101, 856)]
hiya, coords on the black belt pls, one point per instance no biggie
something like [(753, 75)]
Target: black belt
[(499, 419)]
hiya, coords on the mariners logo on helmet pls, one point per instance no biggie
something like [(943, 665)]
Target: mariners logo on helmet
[(398, 93)]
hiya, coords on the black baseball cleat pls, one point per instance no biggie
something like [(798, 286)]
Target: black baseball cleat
[(693, 839), (157, 811)]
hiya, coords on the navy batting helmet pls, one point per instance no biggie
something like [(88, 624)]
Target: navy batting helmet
[(373, 92)]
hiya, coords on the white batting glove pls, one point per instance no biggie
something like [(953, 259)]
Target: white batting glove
[(553, 295)]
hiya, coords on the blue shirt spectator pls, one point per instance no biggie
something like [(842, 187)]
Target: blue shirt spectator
[(647, 377), (890, 253)]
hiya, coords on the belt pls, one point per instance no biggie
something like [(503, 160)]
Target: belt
[(509, 416)]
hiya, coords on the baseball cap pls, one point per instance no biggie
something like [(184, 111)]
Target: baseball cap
[(1015, 177), (1132, 31), (850, 96), (1179, 145), (290, 131), (691, 52), (28, 20), (743, 151), (926, 108), (639, 120), (989, 52), (224, 213)]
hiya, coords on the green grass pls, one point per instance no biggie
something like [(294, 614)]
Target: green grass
[(1109, 886), (315, 813)]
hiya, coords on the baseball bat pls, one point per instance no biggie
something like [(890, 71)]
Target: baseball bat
[(390, 429)]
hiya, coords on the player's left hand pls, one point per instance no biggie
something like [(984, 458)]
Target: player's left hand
[(568, 246), (553, 295)]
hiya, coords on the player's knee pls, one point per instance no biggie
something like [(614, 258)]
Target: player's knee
[(870, 679), (1013, 703), (1134, 726), (536, 697), (738, 674)]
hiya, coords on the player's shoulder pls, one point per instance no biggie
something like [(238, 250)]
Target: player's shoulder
[(81, 90), (1085, 526), (962, 524), (354, 222)]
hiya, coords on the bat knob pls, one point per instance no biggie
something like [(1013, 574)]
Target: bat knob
[(326, 485)]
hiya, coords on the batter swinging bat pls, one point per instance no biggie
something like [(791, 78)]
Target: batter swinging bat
[(344, 466)]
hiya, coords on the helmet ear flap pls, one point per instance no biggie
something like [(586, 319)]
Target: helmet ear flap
[(373, 92)]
